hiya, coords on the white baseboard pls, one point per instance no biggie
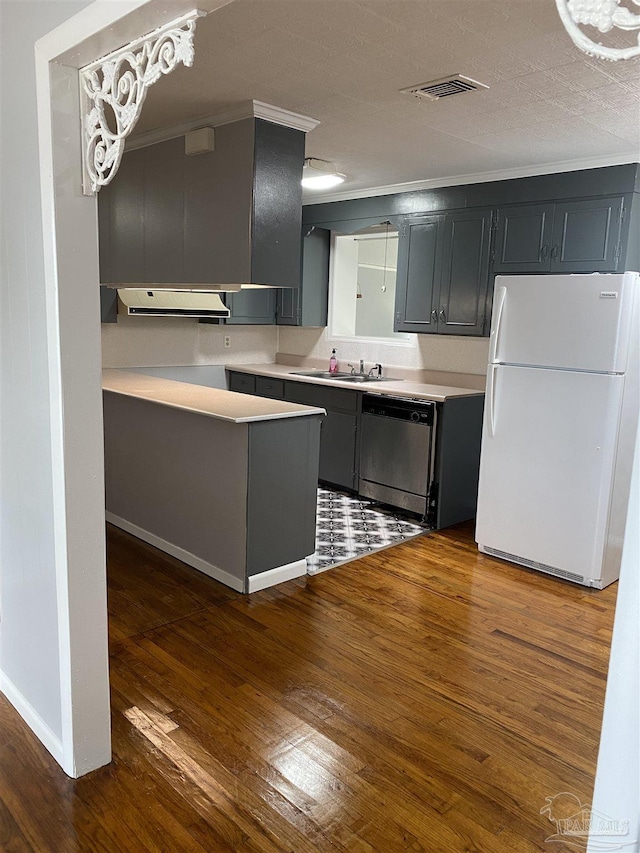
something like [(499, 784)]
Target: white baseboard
[(31, 717), (175, 551), (277, 575)]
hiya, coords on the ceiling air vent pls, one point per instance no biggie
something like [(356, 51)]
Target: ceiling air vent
[(436, 89)]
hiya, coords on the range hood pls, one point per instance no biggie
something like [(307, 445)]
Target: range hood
[(216, 220), (172, 303)]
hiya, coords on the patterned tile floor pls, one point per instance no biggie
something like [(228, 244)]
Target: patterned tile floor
[(348, 527)]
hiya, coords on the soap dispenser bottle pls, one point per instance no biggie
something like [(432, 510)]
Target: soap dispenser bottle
[(333, 362)]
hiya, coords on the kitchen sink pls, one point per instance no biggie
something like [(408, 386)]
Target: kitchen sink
[(343, 377), (320, 374), (359, 377)]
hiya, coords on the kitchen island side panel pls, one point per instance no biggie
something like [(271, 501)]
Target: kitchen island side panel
[(179, 476), (283, 478)]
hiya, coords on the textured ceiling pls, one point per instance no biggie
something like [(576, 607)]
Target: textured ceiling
[(343, 61)]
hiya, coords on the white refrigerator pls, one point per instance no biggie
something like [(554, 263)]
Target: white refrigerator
[(559, 426)]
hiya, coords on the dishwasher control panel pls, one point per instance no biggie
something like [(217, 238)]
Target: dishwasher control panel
[(399, 408)]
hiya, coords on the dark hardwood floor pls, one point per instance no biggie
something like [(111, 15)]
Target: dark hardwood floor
[(425, 698)]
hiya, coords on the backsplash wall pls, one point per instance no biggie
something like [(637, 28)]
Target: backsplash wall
[(158, 342), (425, 352)]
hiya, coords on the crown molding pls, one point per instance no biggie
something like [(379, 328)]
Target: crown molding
[(247, 109), (473, 178)]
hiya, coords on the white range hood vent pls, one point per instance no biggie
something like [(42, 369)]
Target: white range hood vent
[(172, 303)]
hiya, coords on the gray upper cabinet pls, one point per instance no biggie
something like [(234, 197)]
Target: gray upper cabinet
[(418, 277), (466, 240), (308, 305), (572, 236), (523, 238), (586, 235), (443, 273), (256, 306), (228, 216)]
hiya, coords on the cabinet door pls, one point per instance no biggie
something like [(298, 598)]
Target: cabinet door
[(243, 383), (523, 238), (338, 449), (307, 305), (255, 306), (268, 387), (586, 235), (418, 277), (466, 244), (288, 307)]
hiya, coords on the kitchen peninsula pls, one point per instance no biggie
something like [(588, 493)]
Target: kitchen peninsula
[(223, 481)]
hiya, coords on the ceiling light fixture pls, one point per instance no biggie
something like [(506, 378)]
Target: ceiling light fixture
[(320, 174)]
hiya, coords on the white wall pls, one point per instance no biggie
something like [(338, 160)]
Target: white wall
[(149, 341), (29, 658), (424, 352), (617, 788)]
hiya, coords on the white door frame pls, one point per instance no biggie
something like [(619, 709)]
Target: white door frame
[(70, 230)]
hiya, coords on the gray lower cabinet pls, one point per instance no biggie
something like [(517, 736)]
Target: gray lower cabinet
[(457, 447), (339, 431), (243, 383), (443, 273), (564, 237), (267, 387)]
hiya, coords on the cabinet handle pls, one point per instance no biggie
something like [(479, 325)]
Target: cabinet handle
[(555, 251), (544, 252), (443, 316), (434, 316)]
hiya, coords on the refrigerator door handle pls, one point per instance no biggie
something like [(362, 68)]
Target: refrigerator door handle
[(491, 398), (495, 334)]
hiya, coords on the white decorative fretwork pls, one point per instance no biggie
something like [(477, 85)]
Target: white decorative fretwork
[(605, 16), (115, 88)]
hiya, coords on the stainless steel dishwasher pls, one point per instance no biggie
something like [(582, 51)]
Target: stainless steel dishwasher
[(397, 444)]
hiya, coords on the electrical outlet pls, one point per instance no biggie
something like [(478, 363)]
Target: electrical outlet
[(227, 341)]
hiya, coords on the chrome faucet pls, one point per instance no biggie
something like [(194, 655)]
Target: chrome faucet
[(362, 366)]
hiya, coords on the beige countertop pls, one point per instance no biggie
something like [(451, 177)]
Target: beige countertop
[(396, 388), (213, 402)]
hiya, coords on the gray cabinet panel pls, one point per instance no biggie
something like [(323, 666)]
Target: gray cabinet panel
[(418, 275), (338, 449), (443, 273), (164, 212), (307, 305), (523, 238), (586, 235), (277, 204), (283, 479), (252, 307), (121, 215), (465, 272), (243, 383), (218, 189), (339, 434), (321, 395), (108, 304), (288, 307), (268, 387)]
